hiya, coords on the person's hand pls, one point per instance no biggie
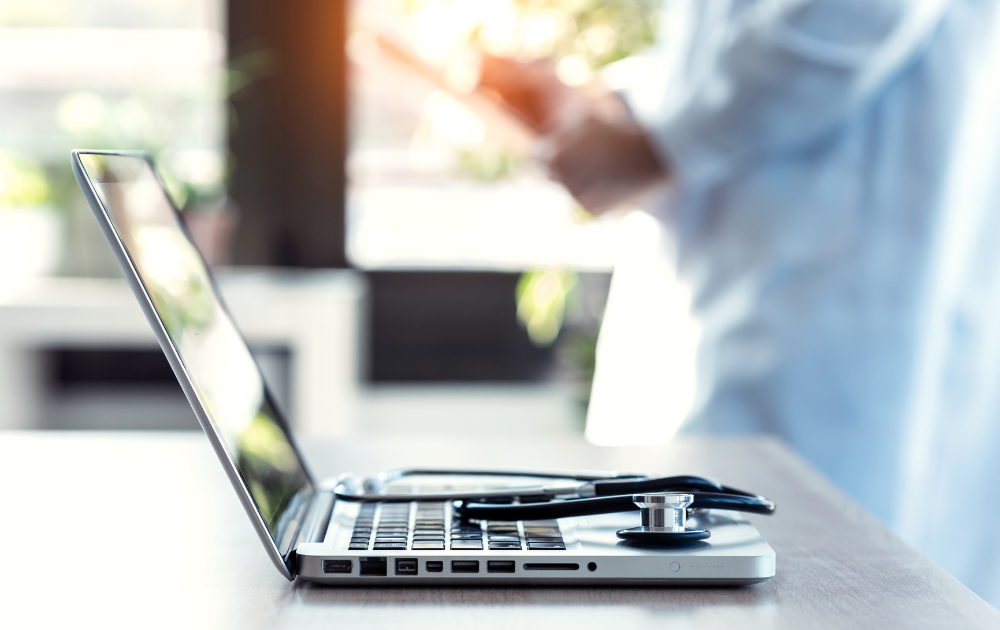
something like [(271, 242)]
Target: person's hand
[(591, 144), (603, 161), (532, 90)]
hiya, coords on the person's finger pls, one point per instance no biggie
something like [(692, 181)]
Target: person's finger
[(603, 164), (531, 89), (496, 69)]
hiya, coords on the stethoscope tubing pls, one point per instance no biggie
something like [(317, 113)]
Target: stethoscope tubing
[(605, 505), (598, 494), (390, 475)]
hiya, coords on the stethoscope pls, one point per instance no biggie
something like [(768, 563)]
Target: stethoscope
[(664, 503)]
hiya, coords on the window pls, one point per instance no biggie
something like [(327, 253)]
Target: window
[(435, 182), (105, 74)]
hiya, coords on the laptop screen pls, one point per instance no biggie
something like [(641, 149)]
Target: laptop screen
[(218, 363)]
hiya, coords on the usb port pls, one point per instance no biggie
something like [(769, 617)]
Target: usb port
[(499, 566), (434, 566), (465, 566), (406, 566), (337, 566), (374, 566)]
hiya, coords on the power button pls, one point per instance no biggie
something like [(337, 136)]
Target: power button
[(675, 567)]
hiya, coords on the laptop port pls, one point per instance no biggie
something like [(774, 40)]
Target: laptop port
[(374, 566), (434, 566), (337, 566), (465, 566), (499, 566), (406, 566), (551, 566)]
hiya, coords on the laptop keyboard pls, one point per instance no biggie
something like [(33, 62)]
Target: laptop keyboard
[(430, 526)]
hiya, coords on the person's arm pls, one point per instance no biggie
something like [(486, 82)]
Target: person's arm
[(776, 74)]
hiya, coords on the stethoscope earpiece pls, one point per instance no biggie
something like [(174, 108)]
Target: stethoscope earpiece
[(664, 520)]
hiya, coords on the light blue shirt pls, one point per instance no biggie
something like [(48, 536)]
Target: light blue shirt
[(837, 217)]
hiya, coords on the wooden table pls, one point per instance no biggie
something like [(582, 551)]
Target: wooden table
[(141, 530)]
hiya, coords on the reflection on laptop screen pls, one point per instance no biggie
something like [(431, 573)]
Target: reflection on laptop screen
[(214, 354)]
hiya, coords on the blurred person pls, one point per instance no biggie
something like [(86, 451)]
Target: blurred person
[(833, 171)]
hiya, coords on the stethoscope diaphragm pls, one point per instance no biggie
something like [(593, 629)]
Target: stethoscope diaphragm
[(664, 520)]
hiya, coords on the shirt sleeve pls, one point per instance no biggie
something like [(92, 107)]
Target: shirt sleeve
[(758, 77)]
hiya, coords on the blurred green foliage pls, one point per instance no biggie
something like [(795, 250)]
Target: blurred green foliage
[(139, 121), (590, 33), (541, 302), (269, 465), (23, 182), (578, 348), (599, 31), (186, 308), (488, 163)]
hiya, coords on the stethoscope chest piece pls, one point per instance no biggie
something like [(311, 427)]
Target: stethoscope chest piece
[(664, 520)]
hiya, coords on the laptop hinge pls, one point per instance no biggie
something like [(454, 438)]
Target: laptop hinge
[(317, 520), (313, 527)]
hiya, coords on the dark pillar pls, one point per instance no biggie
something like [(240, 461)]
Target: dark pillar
[(288, 130)]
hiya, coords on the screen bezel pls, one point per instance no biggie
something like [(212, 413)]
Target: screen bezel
[(283, 558)]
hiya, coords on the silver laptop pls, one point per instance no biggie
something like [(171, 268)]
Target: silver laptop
[(307, 532)]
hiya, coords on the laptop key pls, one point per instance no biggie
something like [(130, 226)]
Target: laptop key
[(428, 545), (389, 545), (543, 536), (467, 545), (494, 538), (548, 546), (504, 545)]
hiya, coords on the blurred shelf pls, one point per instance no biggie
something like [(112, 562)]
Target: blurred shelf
[(315, 315)]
